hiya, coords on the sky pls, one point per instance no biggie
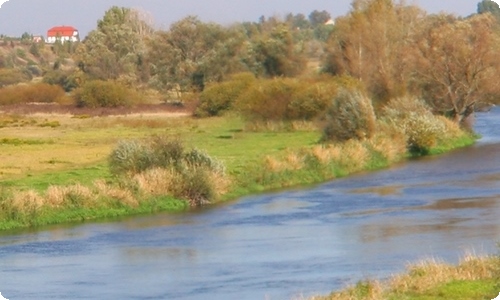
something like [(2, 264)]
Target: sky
[(37, 16)]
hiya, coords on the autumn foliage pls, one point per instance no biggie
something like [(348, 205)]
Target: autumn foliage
[(34, 93)]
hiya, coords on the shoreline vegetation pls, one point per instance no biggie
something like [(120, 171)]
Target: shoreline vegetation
[(160, 172), (475, 277)]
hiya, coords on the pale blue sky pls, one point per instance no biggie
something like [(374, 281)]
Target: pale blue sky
[(36, 16)]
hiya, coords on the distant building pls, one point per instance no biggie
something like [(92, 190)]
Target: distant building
[(63, 34), (37, 38), (330, 22)]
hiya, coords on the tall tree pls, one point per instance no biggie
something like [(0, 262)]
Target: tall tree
[(116, 49), (457, 63), (371, 44)]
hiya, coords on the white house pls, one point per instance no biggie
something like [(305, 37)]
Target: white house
[(63, 34)]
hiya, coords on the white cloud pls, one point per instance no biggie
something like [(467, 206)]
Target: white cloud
[(2, 2), (1, 297)]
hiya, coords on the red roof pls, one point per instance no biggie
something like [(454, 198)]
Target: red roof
[(61, 31)]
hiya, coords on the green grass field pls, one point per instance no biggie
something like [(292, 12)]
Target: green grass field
[(77, 150)]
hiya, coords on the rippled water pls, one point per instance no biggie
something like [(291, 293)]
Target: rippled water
[(274, 246)]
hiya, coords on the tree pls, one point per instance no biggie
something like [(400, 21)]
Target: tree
[(457, 63), (371, 44), (319, 17), (192, 53), (489, 6), (116, 49), (277, 53)]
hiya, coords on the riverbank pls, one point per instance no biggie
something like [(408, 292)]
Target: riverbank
[(473, 278), (62, 173)]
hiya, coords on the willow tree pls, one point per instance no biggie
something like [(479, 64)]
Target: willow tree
[(457, 63)]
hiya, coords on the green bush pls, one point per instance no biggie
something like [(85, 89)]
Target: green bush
[(350, 116), (99, 93), (61, 78), (130, 157), (220, 97)]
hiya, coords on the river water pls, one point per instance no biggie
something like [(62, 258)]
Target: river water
[(274, 246)]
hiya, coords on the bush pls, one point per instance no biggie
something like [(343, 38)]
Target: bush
[(193, 174), (99, 93), (268, 100), (350, 116), (220, 97), (34, 93), (130, 157), (12, 76), (415, 119), (61, 78), (311, 102)]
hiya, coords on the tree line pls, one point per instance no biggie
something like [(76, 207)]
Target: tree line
[(391, 48)]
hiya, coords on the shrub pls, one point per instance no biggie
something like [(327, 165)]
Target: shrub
[(99, 93), (130, 157), (268, 100), (12, 76), (415, 119), (350, 116), (61, 78), (422, 132), (196, 186), (309, 103), (193, 175), (220, 97), (34, 93)]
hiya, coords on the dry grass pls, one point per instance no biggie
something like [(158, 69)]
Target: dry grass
[(354, 155), (154, 182), (27, 202), (392, 145), (419, 278), (452, 129), (123, 196)]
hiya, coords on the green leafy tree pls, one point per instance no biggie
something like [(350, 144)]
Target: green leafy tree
[(192, 53), (277, 54), (116, 49), (489, 6)]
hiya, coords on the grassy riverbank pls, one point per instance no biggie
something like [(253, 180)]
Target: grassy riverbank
[(58, 174), (474, 278)]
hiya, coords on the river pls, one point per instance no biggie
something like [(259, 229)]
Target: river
[(274, 246)]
